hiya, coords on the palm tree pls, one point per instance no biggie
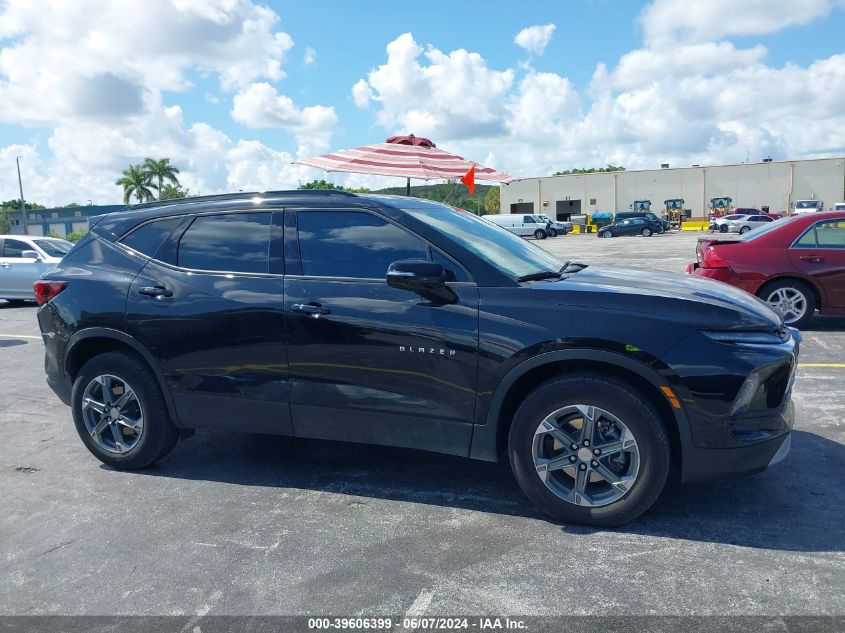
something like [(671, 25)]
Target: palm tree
[(161, 170), (135, 182)]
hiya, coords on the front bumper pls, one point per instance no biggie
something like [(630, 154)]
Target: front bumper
[(702, 464)]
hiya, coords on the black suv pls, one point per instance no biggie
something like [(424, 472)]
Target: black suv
[(399, 321), (647, 215)]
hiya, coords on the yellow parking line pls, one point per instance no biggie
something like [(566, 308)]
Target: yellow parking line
[(821, 364), (34, 338)]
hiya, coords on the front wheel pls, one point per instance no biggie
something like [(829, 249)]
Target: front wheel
[(589, 449), (744, 230), (539, 234), (552, 232), (723, 228), (646, 232), (120, 413), (605, 234), (791, 298)]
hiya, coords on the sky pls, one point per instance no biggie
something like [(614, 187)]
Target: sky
[(233, 91)]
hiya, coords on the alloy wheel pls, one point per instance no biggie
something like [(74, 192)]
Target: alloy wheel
[(790, 302), (586, 455), (112, 414)]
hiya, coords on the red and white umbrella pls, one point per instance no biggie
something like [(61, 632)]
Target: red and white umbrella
[(408, 156)]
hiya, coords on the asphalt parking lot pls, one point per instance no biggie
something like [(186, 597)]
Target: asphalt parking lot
[(248, 524)]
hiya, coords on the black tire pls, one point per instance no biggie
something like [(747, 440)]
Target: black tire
[(723, 228), (605, 234), (744, 230), (793, 284), (646, 232), (539, 234), (621, 400), (553, 233), (159, 435), (19, 302)]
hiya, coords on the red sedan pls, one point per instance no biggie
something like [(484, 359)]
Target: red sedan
[(796, 264)]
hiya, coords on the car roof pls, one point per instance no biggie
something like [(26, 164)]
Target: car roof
[(121, 221)]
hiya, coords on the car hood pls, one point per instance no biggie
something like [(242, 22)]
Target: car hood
[(688, 299)]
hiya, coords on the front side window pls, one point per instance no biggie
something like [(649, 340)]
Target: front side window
[(15, 248), (528, 220), (233, 242), (353, 244)]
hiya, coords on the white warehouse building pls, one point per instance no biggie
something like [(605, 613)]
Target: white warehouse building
[(773, 184)]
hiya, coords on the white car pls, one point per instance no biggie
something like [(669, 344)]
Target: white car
[(808, 206), (721, 224), (23, 259), (746, 223), (522, 224)]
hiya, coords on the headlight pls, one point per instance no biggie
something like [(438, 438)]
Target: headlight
[(749, 338)]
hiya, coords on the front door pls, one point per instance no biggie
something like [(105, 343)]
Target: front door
[(371, 363), (820, 254), (209, 308)]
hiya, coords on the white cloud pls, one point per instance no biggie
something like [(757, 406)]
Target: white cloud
[(695, 21), (309, 57), (534, 39), (694, 102), (98, 59), (260, 106)]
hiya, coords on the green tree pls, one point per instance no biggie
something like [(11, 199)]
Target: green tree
[(322, 184), (159, 171), (492, 201), (75, 236), (590, 170), (173, 192), (5, 222), (15, 205), (135, 181)]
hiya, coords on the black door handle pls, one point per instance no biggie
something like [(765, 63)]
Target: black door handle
[(155, 291), (311, 309)]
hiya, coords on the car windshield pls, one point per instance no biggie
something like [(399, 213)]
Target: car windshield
[(509, 253), (54, 248), (807, 204), (767, 228)]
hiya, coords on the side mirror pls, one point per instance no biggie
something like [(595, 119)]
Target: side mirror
[(427, 279), (30, 255)]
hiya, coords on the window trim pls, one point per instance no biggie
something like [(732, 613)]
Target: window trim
[(29, 247), (812, 228), (429, 246)]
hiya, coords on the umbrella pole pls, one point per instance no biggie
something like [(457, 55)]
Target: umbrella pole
[(408, 187)]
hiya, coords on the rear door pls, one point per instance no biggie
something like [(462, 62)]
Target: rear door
[(820, 254), (372, 363), (18, 273), (209, 306)]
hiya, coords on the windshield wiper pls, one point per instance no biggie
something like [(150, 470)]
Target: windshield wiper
[(545, 274)]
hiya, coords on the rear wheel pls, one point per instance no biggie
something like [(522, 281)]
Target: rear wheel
[(646, 232), (120, 413), (723, 228), (744, 230), (792, 298), (552, 232), (589, 449), (540, 234)]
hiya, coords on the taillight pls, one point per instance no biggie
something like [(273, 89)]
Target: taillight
[(46, 290), (711, 259)]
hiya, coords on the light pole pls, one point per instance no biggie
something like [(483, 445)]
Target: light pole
[(20, 186)]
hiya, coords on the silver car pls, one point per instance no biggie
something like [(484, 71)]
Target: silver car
[(747, 223), (23, 259)]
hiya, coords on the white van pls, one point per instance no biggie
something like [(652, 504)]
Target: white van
[(521, 224), (839, 206)]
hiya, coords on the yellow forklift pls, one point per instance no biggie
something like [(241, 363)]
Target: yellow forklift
[(720, 206), (674, 211)]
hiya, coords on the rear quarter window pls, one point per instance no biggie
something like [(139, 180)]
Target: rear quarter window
[(148, 238)]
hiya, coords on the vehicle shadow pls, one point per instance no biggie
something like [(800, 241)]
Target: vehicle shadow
[(825, 324), (794, 507)]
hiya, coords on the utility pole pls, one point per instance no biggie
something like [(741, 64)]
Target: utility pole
[(23, 206)]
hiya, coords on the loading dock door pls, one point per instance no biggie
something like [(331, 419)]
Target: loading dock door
[(565, 209), (522, 207)]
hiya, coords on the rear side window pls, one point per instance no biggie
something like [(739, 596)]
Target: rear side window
[(149, 237), (353, 244), (234, 242), (828, 234)]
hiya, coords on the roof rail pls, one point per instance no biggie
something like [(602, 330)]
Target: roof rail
[(241, 195)]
